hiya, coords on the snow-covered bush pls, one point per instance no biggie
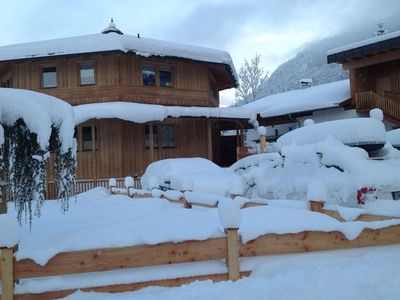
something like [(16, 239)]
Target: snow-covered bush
[(129, 182), (36, 125)]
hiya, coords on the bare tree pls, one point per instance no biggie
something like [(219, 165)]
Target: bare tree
[(380, 29), (252, 78)]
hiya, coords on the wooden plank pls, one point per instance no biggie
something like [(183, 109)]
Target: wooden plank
[(7, 280), (306, 241), (233, 253), (362, 217), (122, 258), (119, 288)]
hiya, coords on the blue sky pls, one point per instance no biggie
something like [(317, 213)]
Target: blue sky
[(276, 29)]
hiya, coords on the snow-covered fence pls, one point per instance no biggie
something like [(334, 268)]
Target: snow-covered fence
[(107, 259)]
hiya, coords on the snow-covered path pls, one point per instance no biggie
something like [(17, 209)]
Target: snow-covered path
[(368, 273)]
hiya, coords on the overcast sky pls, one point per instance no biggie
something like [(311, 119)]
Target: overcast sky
[(276, 29)]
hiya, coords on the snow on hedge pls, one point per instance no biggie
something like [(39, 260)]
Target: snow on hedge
[(141, 113), (206, 176), (317, 97), (115, 42), (349, 131), (39, 112)]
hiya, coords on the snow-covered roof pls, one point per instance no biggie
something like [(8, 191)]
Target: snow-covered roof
[(366, 42), (317, 97), (113, 41), (141, 113)]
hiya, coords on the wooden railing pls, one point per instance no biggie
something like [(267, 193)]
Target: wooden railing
[(107, 259), (83, 185), (368, 100)]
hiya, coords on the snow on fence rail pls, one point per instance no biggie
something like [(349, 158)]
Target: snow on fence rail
[(99, 260)]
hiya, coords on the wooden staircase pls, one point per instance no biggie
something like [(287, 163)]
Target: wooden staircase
[(389, 105)]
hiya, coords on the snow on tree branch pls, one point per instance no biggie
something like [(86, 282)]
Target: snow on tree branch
[(252, 78)]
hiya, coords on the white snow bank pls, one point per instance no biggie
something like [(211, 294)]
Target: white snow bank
[(141, 113), (115, 42), (9, 230), (206, 176), (229, 213), (317, 97), (40, 112), (349, 131)]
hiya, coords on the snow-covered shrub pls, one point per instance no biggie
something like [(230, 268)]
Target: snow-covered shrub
[(229, 213), (112, 182), (153, 182), (308, 122)]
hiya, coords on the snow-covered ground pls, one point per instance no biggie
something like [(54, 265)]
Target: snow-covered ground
[(126, 222), (368, 274)]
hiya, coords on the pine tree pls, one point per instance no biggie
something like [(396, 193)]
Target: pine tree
[(380, 29), (252, 79)]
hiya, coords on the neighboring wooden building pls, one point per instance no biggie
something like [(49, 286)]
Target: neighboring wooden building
[(374, 66), (114, 67)]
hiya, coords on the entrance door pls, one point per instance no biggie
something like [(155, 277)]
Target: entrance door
[(383, 84)]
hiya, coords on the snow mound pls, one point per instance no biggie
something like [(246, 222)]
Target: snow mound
[(316, 190), (229, 213), (393, 136), (9, 233), (363, 131)]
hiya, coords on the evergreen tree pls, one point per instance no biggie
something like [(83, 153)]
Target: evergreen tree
[(24, 165), (252, 79), (380, 29)]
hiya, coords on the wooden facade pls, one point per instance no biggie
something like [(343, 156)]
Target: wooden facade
[(119, 148), (374, 76)]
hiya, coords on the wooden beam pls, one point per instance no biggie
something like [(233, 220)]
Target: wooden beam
[(209, 140), (271, 244), (94, 146), (119, 288), (233, 253), (362, 217), (372, 60), (123, 258), (7, 280), (316, 205)]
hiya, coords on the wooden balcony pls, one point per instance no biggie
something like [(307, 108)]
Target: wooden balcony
[(389, 105)]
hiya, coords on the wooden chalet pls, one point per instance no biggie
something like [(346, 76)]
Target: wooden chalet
[(112, 67), (374, 66)]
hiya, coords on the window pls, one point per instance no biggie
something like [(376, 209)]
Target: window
[(49, 77), (87, 141), (149, 75), (87, 74), (168, 136), (163, 135), (147, 136), (166, 76)]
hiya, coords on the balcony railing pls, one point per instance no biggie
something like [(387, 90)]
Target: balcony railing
[(369, 100)]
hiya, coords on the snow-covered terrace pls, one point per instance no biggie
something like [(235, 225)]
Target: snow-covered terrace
[(96, 43), (323, 96), (141, 113)]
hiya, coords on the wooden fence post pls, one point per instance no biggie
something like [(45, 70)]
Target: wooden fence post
[(233, 253), (7, 275), (316, 205), (263, 142)]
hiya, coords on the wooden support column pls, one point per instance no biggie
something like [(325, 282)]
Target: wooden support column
[(316, 205), (151, 141), (7, 275), (209, 140), (94, 155), (233, 253), (263, 142)]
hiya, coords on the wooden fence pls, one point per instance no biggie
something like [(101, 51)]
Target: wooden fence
[(229, 248), (368, 100)]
